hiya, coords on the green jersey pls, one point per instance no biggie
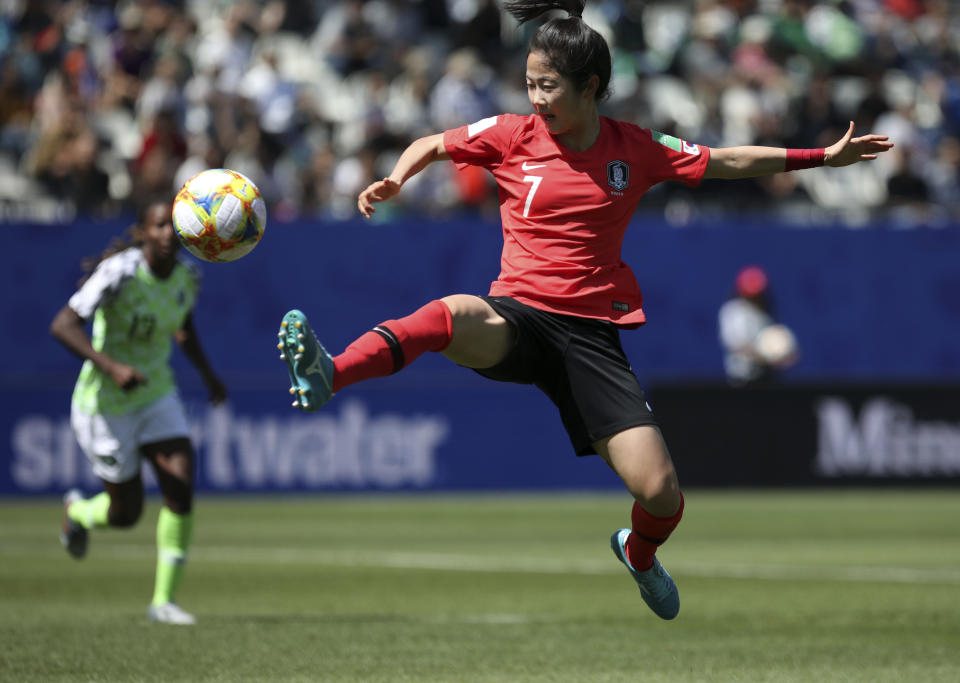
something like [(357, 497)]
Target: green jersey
[(135, 315)]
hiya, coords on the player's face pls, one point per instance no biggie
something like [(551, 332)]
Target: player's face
[(160, 241), (555, 98)]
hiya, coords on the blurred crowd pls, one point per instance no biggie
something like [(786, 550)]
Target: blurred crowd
[(103, 102)]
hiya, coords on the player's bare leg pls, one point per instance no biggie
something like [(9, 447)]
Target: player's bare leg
[(481, 336), (172, 462), (640, 457)]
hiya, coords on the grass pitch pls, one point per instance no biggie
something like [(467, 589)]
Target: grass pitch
[(774, 586)]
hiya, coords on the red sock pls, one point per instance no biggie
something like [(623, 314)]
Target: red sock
[(648, 534), (393, 345)]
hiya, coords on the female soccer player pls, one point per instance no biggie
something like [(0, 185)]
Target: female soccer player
[(569, 181), (125, 405)]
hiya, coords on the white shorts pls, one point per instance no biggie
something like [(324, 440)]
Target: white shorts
[(112, 442)]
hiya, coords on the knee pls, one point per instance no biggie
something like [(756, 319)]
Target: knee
[(481, 337), (125, 515), (667, 484), (180, 505), (178, 493), (460, 306), (658, 493)]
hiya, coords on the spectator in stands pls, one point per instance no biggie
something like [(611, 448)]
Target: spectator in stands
[(756, 347), (779, 72)]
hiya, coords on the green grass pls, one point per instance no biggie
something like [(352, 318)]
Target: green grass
[(775, 586)]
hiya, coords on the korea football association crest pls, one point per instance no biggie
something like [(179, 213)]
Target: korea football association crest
[(618, 175)]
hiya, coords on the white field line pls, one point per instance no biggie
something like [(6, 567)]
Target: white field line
[(599, 565)]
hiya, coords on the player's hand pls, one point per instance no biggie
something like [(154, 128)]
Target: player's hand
[(125, 376), (376, 192), (849, 150), (216, 389)]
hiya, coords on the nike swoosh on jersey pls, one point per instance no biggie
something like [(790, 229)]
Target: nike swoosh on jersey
[(529, 167)]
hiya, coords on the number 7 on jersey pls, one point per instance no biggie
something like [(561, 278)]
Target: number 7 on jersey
[(534, 181)]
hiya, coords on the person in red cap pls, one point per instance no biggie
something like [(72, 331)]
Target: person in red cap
[(756, 346)]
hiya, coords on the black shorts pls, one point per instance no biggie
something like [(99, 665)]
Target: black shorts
[(580, 364)]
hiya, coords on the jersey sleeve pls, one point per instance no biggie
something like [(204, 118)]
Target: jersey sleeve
[(102, 285), (482, 143), (669, 158)]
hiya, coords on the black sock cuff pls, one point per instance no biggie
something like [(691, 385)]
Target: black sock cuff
[(399, 361)]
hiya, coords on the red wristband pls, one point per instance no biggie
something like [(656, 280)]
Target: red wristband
[(804, 158)]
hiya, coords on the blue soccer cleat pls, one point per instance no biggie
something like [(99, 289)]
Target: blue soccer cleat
[(656, 587), (308, 363)]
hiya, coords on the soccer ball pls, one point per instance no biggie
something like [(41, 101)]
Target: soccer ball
[(219, 215), (777, 345)]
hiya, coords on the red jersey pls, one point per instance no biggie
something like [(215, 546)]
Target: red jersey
[(564, 213)]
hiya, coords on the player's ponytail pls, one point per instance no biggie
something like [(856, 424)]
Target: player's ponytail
[(571, 47), (525, 10), (131, 237)]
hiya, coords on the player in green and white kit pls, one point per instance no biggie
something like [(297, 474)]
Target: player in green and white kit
[(125, 405)]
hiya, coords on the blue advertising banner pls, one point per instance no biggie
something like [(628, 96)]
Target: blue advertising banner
[(872, 305), (394, 440)]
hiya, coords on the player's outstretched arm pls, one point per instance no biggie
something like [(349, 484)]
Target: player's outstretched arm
[(188, 341), (750, 161), (414, 159)]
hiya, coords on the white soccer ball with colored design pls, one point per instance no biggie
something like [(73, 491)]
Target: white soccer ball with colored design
[(777, 345), (219, 215)]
